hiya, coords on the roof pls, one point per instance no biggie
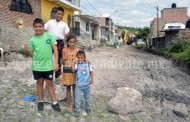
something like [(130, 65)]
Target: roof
[(173, 27), (88, 18), (174, 8), (103, 26), (75, 6)]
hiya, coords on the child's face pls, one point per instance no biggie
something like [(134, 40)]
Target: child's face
[(72, 43), (59, 15), (81, 58), (39, 29)]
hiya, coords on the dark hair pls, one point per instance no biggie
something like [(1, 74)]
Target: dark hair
[(71, 36), (60, 9), (38, 21), (81, 52)]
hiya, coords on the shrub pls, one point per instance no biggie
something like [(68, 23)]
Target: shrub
[(140, 46), (103, 41), (180, 51)]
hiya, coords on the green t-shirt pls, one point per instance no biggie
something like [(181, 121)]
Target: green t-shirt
[(41, 47)]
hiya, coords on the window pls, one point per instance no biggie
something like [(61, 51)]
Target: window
[(53, 11), (77, 28), (21, 6), (87, 26), (73, 21), (174, 27), (69, 20)]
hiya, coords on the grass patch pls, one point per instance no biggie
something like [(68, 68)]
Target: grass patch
[(136, 118), (140, 46), (98, 113), (179, 51)]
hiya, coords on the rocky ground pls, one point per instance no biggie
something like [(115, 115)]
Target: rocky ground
[(130, 85)]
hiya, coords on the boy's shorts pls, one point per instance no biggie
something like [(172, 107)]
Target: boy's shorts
[(48, 75)]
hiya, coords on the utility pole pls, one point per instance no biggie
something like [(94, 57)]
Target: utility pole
[(157, 27)]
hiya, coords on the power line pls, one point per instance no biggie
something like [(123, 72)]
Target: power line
[(93, 7)]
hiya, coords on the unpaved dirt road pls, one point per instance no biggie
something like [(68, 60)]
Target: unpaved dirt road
[(161, 83), (140, 70)]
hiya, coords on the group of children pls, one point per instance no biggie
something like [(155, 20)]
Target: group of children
[(77, 73)]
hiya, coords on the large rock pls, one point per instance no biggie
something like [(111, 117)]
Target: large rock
[(180, 109), (127, 100)]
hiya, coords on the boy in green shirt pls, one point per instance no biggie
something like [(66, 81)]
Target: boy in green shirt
[(40, 48)]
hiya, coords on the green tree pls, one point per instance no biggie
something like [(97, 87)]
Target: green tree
[(143, 32), (122, 34)]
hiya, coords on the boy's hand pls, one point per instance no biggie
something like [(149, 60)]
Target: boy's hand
[(56, 67), (91, 81), (75, 61), (26, 47), (65, 58)]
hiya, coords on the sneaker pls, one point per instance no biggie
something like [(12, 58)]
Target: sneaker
[(56, 107), (89, 112), (76, 114), (40, 106)]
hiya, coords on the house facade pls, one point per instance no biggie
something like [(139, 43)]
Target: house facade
[(87, 29), (48, 8), (176, 18), (16, 18), (12, 10), (156, 39), (107, 28)]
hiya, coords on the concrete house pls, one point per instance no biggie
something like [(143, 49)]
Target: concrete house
[(171, 23), (16, 18), (70, 6), (107, 28), (87, 29)]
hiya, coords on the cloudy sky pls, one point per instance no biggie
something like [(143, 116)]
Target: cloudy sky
[(131, 13)]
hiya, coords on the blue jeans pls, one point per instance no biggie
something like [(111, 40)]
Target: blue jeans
[(87, 96)]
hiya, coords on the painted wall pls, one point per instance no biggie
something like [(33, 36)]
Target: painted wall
[(88, 34), (83, 26), (47, 6), (8, 17)]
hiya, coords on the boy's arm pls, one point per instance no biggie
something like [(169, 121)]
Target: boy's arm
[(56, 66), (91, 77), (29, 48), (68, 31), (74, 67), (64, 56)]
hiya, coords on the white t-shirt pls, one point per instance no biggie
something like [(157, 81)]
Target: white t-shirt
[(89, 66), (57, 29)]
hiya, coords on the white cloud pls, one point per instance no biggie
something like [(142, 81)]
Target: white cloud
[(126, 21), (146, 20), (137, 13), (132, 12)]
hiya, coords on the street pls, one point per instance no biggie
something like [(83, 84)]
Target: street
[(161, 83)]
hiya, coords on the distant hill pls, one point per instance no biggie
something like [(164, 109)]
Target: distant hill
[(138, 32), (130, 29)]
